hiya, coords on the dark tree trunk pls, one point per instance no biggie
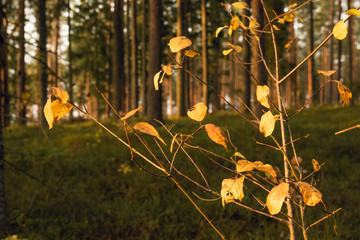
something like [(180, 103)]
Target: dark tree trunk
[(247, 59), (70, 58), (332, 87), (143, 56), (134, 84), (21, 78), (180, 86), (339, 68), (204, 58), (310, 63)]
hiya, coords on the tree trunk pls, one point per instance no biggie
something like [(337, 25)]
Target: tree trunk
[(155, 52), (21, 77), (54, 64), (180, 99), (118, 62), (310, 62), (127, 97), (42, 56), (352, 54), (70, 58), (332, 87), (204, 55), (247, 59), (134, 85), (339, 76), (143, 56)]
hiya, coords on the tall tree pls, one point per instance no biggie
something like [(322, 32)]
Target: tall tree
[(21, 77), (127, 55), (180, 98), (143, 55), (134, 84), (310, 47), (70, 56), (42, 55), (352, 70), (290, 83), (247, 59), (204, 58), (118, 61), (331, 89), (54, 63), (154, 110), (339, 76)]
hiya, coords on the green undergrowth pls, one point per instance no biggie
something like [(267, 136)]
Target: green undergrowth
[(77, 181)]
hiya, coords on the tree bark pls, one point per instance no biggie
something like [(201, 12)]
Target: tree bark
[(310, 62), (331, 52), (339, 76), (143, 89), (180, 99), (155, 52), (247, 59), (70, 58), (352, 70), (204, 55), (54, 64), (134, 84), (290, 83)]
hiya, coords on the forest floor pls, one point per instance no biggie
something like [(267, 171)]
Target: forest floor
[(77, 182)]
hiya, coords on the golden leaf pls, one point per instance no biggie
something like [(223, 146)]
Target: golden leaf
[(244, 166), (275, 27), (267, 124), (232, 189), (216, 134), (237, 49), (156, 79), (353, 12), (281, 21), (289, 17), (60, 109), (253, 23), (340, 30), (178, 43), (237, 154), (192, 53), (227, 51), (326, 73), (298, 16), (316, 165), (60, 94), (197, 112), (262, 95), (311, 196), (267, 168), (289, 43), (48, 113), (276, 197), (234, 23), (147, 128), (167, 69), (345, 93), (131, 113), (241, 5), (219, 29)]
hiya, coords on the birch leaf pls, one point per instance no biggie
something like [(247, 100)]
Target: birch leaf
[(354, 12), (281, 21), (156, 80), (289, 17), (253, 23), (267, 168), (276, 198), (340, 30), (216, 134), (241, 5), (147, 128), (262, 95), (237, 49), (275, 27), (60, 94), (326, 73), (232, 189), (238, 154), (48, 113), (178, 43), (192, 53), (219, 29), (267, 124), (197, 112), (244, 166), (311, 196), (167, 69), (60, 109), (345, 93), (227, 51), (316, 165), (131, 113)]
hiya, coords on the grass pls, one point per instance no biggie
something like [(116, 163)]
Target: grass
[(82, 184)]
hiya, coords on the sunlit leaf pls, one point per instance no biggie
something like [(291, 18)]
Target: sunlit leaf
[(237, 49), (289, 17), (289, 43), (237, 154), (227, 51), (262, 95), (326, 73), (311, 196), (276, 198), (340, 30), (235, 23), (192, 53), (147, 128), (253, 23), (293, 5), (345, 93), (275, 27), (241, 5), (216, 134), (178, 43), (281, 21), (60, 109), (267, 124), (316, 165), (267, 168), (197, 112), (60, 94), (131, 113), (48, 113), (232, 189), (156, 79), (167, 69), (298, 16), (353, 12), (244, 166), (219, 29)]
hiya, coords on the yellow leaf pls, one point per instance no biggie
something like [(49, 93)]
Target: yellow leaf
[(340, 30), (262, 95), (293, 5), (234, 23), (60, 94), (326, 73), (48, 113), (237, 49), (230, 31), (197, 112), (289, 43), (131, 113), (311, 196), (156, 80), (281, 21), (253, 23), (219, 29), (316, 165), (289, 17), (147, 128), (167, 69), (353, 12), (267, 168), (241, 5), (275, 27), (178, 43), (267, 124), (216, 134), (298, 16), (276, 198), (192, 53), (237, 154), (345, 93), (244, 166), (60, 109), (227, 51), (232, 189)]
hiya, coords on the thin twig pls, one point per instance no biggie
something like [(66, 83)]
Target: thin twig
[(322, 219), (347, 129)]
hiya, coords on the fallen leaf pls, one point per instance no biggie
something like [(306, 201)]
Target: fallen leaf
[(219, 29), (178, 43), (276, 197), (60, 94), (192, 53), (340, 30), (197, 112), (227, 51), (262, 95), (241, 5), (316, 165), (326, 73), (345, 93), (311, 196), (232, 189), (267, 124), (352, 11), (167, 69), (131, 113), (147, 128), (216, 134)]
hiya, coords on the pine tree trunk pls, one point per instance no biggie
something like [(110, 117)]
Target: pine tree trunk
[(352, 54), (331, 52), (339, 76), (310, 62), (247, 59), (143, 89), (127, 97), (180, 99), (70, 58), (134, 84), (289, 84), (204, 55), (21, 78), (54, 64)]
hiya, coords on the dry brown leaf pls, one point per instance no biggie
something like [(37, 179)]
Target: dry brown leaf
[(311, 196), (60, 94), (227, 51), (197, 112), (216, 134), (345, 93), (147, 128), (276, 197), (167, 69), (178, 43), (241, 5), (316, 165), (232, 189), (244, 166), (131, 113), (267, 168), (237, 49), (267, 124), (327, 73), (192, 53), (219, 29), (340, 30), (352, 11), (262, 95)]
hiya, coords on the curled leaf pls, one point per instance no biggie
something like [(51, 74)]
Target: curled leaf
[(219, 29), (289, 17), (253, 23), (48, 113), (262, 95), (241, 5), (216, 134), (276, 197), (237, 49), (167, 69), (238, 154), (244, 166), (275, 27), (345, 93), (232, 189), (131, 113), (55, 110), (340, 30), (197, 112), (316, 165), (267, 168), (311, 196), (326, 73), (158, 80), (267, 124), (178, 43), (352, 11), (281, 21), (147, 128), (192, 53), (227, 51), (60, 94)]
